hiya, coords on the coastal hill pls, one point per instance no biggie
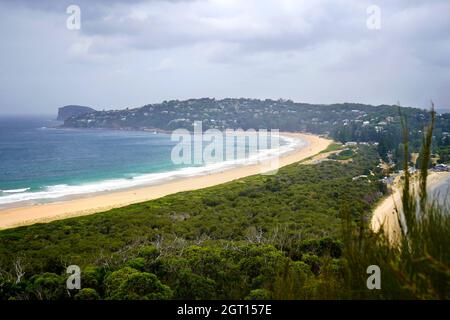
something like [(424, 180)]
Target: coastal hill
[(66, 112), (344, 122), (242, 113)]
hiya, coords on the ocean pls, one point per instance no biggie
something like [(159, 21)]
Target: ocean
[(40, 163)]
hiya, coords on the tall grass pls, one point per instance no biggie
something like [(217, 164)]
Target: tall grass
[(417, 264)]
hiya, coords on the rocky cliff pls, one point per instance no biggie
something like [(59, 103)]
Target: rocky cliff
[(66, 112)]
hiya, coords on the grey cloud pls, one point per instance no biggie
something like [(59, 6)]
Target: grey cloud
[(167, 26), (136, 52)]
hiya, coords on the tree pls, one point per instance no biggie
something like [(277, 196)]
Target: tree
[(259, 294), (48, 286), (190, 286), (92, 277), (87, 294), (142, 286), (116, 278)]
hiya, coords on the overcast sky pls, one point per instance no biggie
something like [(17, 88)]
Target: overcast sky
[(130, 53)]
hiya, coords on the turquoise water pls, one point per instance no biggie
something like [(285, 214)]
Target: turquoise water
[(34, 156), (40, 163)]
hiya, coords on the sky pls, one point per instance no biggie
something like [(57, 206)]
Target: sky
[(131, 53)]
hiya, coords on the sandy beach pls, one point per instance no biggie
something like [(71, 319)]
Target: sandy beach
[(97, 203), (385, 213)]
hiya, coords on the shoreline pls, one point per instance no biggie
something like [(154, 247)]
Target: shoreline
[(385, 213), (117, 184), (41, 213)]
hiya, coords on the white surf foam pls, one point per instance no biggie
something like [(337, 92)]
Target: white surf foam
[(15, 190), (64, 190)]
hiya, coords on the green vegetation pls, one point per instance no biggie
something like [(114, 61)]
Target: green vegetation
[(332, 147), (343, 155), (444, 153), (343, 122), (262, 236)]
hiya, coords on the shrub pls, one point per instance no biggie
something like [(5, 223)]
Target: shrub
[(92, 277), (259, 294), (142, 286), (87, 294), (137, 263), (116, 278), (190, 286), (148, 252), (48, 286)]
